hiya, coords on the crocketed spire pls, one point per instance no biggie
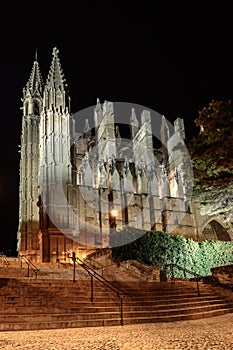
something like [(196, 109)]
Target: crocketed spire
[(56, 95), (56, 76), (35, 85)]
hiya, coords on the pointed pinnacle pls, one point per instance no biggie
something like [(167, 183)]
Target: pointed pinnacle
[(86, 126), (35, 82), (55, 51), (56, 75), (133, 118), (98, 105)]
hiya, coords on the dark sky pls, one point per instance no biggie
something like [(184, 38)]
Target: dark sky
[(172, 58)]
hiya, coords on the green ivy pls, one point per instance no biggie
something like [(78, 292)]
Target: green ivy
[(161, 249)]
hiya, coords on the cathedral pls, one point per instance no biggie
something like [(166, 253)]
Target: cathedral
[(92, 189)]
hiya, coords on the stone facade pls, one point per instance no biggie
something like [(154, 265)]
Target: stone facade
[(79, 191)]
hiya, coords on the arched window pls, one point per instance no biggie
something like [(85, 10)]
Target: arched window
[(36, 108)]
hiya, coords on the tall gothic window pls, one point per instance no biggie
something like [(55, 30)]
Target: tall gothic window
[(36, 108)]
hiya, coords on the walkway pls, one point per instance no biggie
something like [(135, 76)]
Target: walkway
[(207, 334)]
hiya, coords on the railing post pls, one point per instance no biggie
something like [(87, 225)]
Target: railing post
[(121, 311), (100, 278), (185, 273), (74, 261), (28, 269), (198, 291), (172, 279), (92, 289)]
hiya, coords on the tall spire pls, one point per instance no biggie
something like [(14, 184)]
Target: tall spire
[(35, 83), (56, 88)]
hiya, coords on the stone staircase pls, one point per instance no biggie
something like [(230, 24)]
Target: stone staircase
[(45, 271), (130, 270), (28, 303)]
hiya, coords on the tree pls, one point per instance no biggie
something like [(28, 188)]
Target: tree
[(211, 149)]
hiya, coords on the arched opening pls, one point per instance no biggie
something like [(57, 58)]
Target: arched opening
[(36, 108), (215, 231)]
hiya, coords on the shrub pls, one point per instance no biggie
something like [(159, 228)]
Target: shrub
[(160, 248)]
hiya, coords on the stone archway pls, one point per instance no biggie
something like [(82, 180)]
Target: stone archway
[(215, 231)]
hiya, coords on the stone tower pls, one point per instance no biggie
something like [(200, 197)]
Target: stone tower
[(28, 239), (56, 135), (45, 166)]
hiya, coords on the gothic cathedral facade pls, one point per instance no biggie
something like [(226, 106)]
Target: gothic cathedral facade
[(82, 192)]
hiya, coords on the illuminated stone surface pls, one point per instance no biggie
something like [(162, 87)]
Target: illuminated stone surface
[(149, 188)]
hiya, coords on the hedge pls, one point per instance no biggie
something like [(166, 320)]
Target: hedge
[(160, 248)]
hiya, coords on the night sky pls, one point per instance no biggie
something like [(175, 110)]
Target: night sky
[(172, 58)]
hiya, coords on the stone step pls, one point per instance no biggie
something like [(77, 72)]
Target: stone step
[(97, 294), (64, 293), (168, 296), (76, 305), (81, 287), (105, 315), (35, 304), (4, 326), (111, 301), (179, 317), (16, 326), (32, 280), (60, 305), (97, 290), (93, 308), (96, 297), (98, 305)]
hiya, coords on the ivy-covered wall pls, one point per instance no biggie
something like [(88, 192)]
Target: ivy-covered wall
[(160, 248)]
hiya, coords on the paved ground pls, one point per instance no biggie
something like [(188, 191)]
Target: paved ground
[(211, 333)]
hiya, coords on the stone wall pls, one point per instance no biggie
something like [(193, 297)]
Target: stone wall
[(224, 274)]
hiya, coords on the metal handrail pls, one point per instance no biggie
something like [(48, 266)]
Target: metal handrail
[(137, 264), (102, 279), (99, 252), (120, 294), (196, 275), (96, 265), (30, 265), (134, 273)]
